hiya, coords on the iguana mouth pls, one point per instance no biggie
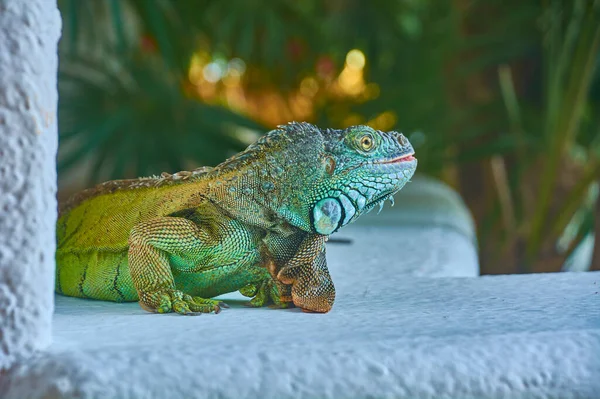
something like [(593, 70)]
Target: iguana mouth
[(402, 158)]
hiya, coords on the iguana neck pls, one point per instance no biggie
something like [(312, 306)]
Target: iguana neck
[(268, 191), (273, 180)]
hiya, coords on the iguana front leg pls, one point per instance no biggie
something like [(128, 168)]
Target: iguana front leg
[(312, 287), (220, 258)]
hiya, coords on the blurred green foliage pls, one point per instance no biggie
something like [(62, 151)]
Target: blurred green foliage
[(501, 98), (406, 43)]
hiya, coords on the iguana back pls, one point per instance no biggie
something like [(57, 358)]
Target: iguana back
[(102, 217)]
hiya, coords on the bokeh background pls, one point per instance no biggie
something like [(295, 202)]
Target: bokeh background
[(500, 98)]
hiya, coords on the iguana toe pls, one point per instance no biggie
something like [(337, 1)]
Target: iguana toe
[(164, 305), (250, 290), (179, 306), (202, 305)]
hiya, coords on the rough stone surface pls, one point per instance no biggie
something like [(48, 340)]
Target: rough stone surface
[(533, 336), (29, 31)]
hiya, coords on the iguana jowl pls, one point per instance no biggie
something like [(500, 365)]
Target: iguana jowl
[(256, 223)]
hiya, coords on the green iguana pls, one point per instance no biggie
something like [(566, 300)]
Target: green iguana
[(256, 223)]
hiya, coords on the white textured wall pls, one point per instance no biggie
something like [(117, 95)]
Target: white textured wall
[(29, 31)]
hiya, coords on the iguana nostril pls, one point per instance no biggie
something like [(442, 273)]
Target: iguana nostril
[(402, 140)]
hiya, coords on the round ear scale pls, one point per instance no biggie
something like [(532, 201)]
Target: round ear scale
[(329, 165), (327, 216)]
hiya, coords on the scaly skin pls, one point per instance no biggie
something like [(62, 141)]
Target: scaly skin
[(256, 223)]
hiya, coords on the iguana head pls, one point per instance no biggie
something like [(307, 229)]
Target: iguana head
[(316, 179), (363, 167)]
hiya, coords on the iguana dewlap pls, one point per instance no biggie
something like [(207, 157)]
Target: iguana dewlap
[(256, 223)]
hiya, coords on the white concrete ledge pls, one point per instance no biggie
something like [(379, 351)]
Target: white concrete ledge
[(534, 336)]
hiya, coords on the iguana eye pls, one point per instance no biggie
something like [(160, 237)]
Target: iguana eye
[(366, 142)]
